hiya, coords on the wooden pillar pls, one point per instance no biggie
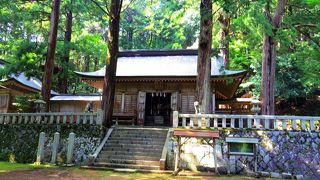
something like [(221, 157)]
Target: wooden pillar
[(214, 102), (255, 157), (122, 102), (176, 165), (215, 155), (228, 157)]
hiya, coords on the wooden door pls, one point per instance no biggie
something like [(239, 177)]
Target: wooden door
[(141, 105)]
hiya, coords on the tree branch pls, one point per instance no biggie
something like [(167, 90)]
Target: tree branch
[(98, 5), (131, 1), (279, 13)]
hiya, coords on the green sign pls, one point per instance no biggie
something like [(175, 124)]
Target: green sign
[(242, 147)]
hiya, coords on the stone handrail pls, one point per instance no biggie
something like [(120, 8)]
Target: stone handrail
[(52, 118), (93, 157), (164, 151), (265, 122)]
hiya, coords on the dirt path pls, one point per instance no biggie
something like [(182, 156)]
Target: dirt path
[(84, 174), (36, 174)]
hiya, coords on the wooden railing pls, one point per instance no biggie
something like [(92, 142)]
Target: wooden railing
[(52, 118), (219, 121)]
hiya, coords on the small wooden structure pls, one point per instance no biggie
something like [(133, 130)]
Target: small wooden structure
[(14, 85), (242, 147), (204, 134)]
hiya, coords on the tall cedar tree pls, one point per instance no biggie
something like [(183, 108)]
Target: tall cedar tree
[(224, 21), (269, 59), (49, 65), (111, 62), (63, 81), (204, 57)]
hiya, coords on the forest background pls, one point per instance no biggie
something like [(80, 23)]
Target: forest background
[(162, 24)]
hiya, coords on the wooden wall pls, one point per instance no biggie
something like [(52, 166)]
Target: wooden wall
[(4, 102)]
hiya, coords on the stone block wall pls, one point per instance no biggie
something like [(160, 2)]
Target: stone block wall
[(278, 151), (18, 142)]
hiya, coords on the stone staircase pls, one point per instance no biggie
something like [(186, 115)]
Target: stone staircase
[(133, 148)]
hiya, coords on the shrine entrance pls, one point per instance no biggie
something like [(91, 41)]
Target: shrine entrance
[(158, 109)]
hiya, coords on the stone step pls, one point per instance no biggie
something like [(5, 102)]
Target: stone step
[(133, 149), (146, 139), (128, 141), (155, 157), (152, 129), (128, 161), (132, 166), (139, 132), (133, 136), (129, 153), (129, 146)]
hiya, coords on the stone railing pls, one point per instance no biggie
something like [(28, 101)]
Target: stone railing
[(52, 118), (263, 122)]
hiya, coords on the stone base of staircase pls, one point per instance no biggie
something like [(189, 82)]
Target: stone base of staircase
[(128, 170), (132, 148)]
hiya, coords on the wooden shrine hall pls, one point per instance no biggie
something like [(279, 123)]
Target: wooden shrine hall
[(151, 84)]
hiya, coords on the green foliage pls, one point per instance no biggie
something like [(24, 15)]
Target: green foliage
[(25, 103), (164, 25)]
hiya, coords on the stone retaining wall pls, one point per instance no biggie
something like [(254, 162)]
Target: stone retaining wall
[(278, 151), (18, 142)]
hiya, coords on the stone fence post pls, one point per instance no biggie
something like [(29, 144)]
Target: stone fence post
[(40, 150), (175, 119), (55, 146), (70, 147)]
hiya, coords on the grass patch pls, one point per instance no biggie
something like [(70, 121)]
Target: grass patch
[(7, 166)]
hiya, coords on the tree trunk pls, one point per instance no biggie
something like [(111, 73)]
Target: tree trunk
[(111, 62), (49, 65), (63, 81), (96, 64), (86, 66), (269, 61), (204, 57), (130, 14), (224, 21)]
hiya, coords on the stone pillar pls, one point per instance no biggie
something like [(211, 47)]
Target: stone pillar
[(55, 146), (99, 116), (175, 119), (40, 150), (70, 147)]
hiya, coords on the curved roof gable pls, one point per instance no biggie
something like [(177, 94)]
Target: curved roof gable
[(176, 65)]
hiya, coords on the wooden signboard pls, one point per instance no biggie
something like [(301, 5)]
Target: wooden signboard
[(242, 147), (196, 133), (141, 104)]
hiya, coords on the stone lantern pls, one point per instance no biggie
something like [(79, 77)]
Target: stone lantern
[(40, 105), (255, 106)]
